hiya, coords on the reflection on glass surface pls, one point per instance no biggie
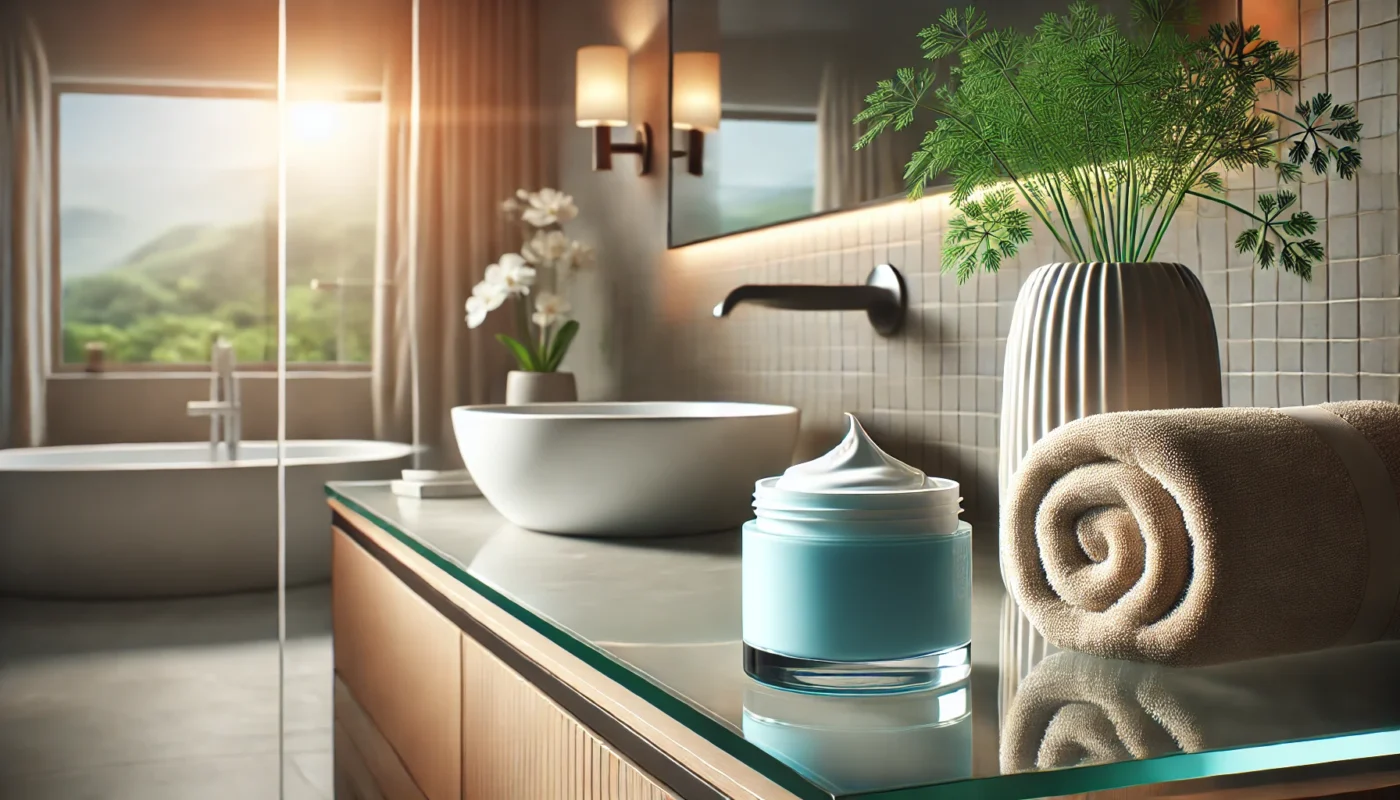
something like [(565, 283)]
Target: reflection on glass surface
[(620, 591), (662, 618), (767, 170), (857, 744), (1076, 709)]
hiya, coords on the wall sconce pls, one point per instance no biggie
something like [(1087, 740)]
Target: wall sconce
[(694, 104), (600, 99)]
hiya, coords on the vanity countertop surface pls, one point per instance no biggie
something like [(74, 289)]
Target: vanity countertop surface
[(662, 617)]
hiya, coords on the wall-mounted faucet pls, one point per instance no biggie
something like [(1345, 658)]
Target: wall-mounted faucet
[(882, 297), (224, 406)]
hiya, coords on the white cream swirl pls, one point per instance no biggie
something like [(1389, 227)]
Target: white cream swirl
[(857, 464)]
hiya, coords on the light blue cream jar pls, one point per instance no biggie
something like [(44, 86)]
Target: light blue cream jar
[(857, 576)]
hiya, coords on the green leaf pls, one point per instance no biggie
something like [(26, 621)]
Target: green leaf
[(1320, 102), (1247, 241), (1265, 253), (1348, 162), (1349, 131), (1298, 152), (523, 355), (1091, 122), (560, 348), (986, 232), (1300, 224), (1319, 161)]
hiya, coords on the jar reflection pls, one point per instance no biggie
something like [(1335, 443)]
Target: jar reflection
[(856, 744)]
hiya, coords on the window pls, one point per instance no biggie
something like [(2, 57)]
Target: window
[(167, 226), (767, 172)]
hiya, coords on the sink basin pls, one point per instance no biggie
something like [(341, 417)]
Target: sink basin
[(624, 469)]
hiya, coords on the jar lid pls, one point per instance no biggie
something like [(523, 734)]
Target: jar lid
[(857, 482)]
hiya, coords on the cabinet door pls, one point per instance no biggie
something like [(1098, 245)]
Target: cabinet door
[(518, 745), (402, 662)]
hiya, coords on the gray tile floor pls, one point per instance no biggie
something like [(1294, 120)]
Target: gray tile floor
[(164, 700)]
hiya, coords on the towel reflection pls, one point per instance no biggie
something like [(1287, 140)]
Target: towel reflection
[(1075, 709)]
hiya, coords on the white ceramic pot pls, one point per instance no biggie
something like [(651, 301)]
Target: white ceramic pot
[(523, 388), (1091, 338)]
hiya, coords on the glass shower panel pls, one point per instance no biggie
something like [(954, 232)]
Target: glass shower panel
[(346, 359), (139, 652)]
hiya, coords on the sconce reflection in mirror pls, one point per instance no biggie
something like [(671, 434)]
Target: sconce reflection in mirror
[(600, 103), (695, 107)]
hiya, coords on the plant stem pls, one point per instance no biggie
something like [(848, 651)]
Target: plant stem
[(1222, 201), (1147, 228), (1129, 211), (522, 319), (1063, 209), (1282, 115), (1100, 197), (1039, 212)]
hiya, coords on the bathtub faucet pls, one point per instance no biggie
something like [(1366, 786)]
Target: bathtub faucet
[(223, 408)]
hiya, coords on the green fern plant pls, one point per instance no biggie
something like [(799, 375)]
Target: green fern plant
[(1102, 133)]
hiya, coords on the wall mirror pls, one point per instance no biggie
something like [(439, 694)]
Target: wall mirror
[(762, 100)]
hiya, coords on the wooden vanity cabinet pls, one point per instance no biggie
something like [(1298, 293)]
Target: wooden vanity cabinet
[(425, 712), (400, 662)]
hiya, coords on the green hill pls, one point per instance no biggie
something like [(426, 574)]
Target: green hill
[(172, 296)]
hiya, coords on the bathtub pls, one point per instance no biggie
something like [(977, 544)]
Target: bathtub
[(160, 520)]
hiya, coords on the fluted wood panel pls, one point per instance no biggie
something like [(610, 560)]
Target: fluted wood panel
[(518, 745), (366, 765), (1091, 338), (401, 660)]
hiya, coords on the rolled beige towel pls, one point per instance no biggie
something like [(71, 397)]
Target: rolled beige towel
[(1201, 536), (1078, 709)]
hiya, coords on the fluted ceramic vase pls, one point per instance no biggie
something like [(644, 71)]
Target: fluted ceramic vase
[(1091, 338)]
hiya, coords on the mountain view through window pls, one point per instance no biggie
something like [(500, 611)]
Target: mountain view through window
[(168, 226)]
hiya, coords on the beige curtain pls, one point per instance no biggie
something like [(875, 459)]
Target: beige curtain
[(26, 243), (847, 177), (480, 140)]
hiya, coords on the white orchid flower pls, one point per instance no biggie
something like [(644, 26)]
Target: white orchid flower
[(549, 309), (580, 256), (511, 273), (546, 249), (549, 206), (476, 311), (486, 297), (492, 293)]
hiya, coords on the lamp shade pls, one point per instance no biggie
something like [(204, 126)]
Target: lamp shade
[(695, 91), (601, 89)]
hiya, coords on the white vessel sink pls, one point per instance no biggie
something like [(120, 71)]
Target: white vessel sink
[(624, 469)]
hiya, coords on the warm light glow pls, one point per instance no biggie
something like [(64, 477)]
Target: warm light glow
[(731, 249), (695, 91), (601, 86), (330, 139), (314, 121)]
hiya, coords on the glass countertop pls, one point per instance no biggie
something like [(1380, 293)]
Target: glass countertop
[(662, 617)]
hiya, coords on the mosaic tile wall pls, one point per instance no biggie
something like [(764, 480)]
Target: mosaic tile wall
[(931, 395)]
